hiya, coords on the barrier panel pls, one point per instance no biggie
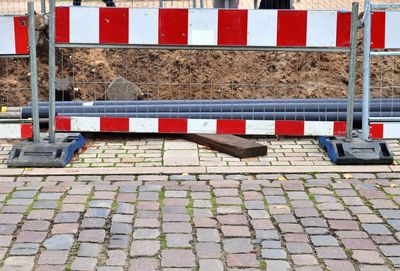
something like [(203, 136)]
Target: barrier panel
[(203, 70), (14, 61), (381, 54)]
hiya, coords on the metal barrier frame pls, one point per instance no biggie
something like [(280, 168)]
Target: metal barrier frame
[(352, 65), (14, 129), (373, 130)]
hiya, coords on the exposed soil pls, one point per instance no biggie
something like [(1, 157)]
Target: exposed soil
[(169, 74)]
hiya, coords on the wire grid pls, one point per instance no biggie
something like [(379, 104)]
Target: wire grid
[(201, 77), (385, 85), (14, 84)]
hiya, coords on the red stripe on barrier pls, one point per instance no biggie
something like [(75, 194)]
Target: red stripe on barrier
[(63, 123), (62, 25), (177, 126), (26, 130), (378, 30), (339, 128), (343, 29), (114, 25), (376, 131), (237, 127), (232, 27), (289, 127), (114, 124), (173, 26), (292, 28), (21, 35)]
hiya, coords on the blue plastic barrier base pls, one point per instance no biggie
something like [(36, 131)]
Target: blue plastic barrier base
[(45, 154), (356, 151)]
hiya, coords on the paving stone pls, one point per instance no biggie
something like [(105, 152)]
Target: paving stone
[(118, 241), (66, 218), (116, 257), (31, 237), (84, 263), (324, 240), (92, 236), (24, 249), (208, 235), (390, 251), (376, 229), (300, 259), (367, 257), (146, 234), (97, 212), (176, 227), (177, 258), (358, 244), (93, 223), (144, 248), (53, 257), (208, 250), (235, 231), (242, 260), (273, 254), (120, 228), (59, 242), (208, 264), (178, 240), (65, 228), (35, 225), (20, 263), (335, 265), (278, 265), (237, 245), (89, 250), (330, 253), (299, 248), (143, 264)]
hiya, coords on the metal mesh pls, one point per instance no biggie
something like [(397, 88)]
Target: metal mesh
[(385, 85), (204, 75)]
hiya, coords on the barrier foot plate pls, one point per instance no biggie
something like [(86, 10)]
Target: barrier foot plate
[(356, 151), (45, 154)]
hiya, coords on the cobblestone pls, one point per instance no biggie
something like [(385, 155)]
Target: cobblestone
[(304, 222)]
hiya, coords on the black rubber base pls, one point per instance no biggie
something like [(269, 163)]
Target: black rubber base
[(45, 154), (357, 151)]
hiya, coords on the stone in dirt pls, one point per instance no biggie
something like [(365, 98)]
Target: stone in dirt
[(123, 90)]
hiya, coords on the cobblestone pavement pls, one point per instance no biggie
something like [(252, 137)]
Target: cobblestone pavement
[(201, 222), (175, 152)]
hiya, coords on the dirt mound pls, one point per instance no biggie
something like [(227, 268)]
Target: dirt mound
[(207, 74)]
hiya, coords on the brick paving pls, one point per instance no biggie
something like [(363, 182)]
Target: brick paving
[(319, 221), (157, 152)]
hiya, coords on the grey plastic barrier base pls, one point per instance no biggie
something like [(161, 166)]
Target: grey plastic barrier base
[(45, 154)]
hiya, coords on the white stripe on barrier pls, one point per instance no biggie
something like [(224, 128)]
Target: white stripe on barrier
[(15, 130), (143, 125), (143, 26), (85, 124), (7, 35), (318, 128), (321, 28), (262, 27), (260, 127), (203, 27), (391, 130), (202, 126), (392, 31), (84, 25)]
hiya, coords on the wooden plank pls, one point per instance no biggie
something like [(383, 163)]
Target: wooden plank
[(229, 144)]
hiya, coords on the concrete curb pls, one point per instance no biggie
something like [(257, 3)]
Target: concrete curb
[(197, 170)]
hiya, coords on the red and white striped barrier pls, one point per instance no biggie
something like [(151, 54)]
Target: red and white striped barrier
[(385, 30), (14, 35), (202, 27), (385, 130), (206, 126), (15, 130)]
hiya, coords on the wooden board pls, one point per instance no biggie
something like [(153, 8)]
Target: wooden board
[(229, 144)]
